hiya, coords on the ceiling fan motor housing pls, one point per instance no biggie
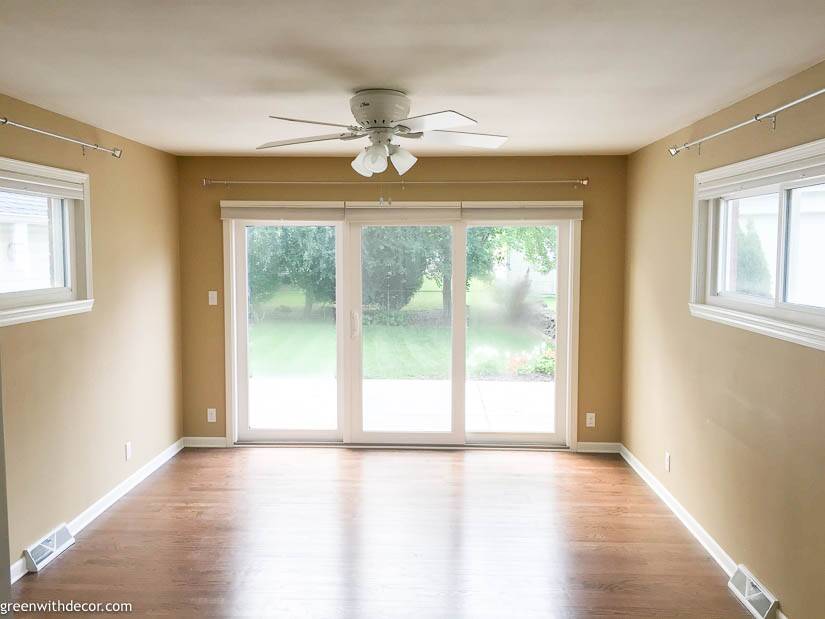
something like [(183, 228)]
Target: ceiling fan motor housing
[(379, 107)]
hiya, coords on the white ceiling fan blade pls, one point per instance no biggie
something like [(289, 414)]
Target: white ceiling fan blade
[(463, 138), (437, 120), (309, 122), (314, 138)]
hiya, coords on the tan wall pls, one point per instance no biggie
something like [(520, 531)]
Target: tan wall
[(76, 388), (601, 266), (742, 414)]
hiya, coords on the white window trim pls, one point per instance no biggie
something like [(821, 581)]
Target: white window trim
[(776, 172), (77, 296)]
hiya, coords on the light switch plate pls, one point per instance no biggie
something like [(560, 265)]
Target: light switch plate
[(128, 450), (211, 415), (213, 297)]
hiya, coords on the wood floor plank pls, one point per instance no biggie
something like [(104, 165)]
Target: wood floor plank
[(328, 533)]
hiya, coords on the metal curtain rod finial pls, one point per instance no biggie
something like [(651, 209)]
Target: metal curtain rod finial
[(117, 153), (675, 150)]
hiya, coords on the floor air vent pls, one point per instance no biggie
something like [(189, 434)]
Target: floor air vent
[(39, 555), (758, 600)]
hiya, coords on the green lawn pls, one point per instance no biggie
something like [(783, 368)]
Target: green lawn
[(290, 344), (308, 348)]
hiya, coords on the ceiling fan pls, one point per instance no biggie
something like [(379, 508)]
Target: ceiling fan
[(382, 115)]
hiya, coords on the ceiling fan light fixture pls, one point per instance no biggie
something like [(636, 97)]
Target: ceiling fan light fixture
[(359, 166), (375, 158), (381, 115), (402, 160)]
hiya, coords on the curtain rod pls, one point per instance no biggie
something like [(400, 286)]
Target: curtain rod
[(675, 150), (115, 152), (206, 182)]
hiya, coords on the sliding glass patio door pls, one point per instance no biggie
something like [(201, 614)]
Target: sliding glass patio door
[(516, 339), (403, 348), (288, 336), (401, 328)]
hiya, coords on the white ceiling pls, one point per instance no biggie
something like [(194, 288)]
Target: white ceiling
[(197, 77)]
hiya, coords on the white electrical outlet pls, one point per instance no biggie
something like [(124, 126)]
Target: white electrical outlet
[(667, 461), (213, 297), (128, 450), (590, 420), (211, 415)]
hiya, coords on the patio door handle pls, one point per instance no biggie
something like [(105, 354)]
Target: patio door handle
[(354, 324)]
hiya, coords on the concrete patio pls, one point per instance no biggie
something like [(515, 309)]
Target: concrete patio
[(403, 405)]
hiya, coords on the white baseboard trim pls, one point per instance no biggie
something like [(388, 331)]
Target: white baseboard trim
[(18, 568), (204, 441), (598, 448), (711, 545)]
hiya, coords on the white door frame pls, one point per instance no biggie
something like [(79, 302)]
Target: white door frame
[(240, 428), (567, 286), (349, 330), (456, 434)]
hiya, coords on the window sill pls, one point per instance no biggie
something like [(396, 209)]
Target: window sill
[(18, 315), (813, 337)]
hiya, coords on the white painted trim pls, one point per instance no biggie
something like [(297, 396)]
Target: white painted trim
[(230, 332), (598, 448), (205, 441), (573, 331), (18, 569), (280, 204), (523, 204), (401, 203), (107, 500), (17, 315), (813, 337), (43, 172), (711, 545), (797, 161), (409, 204), (458, 331), (403, 211)]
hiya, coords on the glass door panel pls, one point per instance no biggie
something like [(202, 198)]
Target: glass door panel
[(406, 338), (358, 331), (291, 338), (512, 294)]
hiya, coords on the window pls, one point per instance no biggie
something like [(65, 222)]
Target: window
[(748, 235), (806, 246), (759, 245), (45, 268)]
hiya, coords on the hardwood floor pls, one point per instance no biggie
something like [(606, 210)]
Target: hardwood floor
[(329, 533)]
